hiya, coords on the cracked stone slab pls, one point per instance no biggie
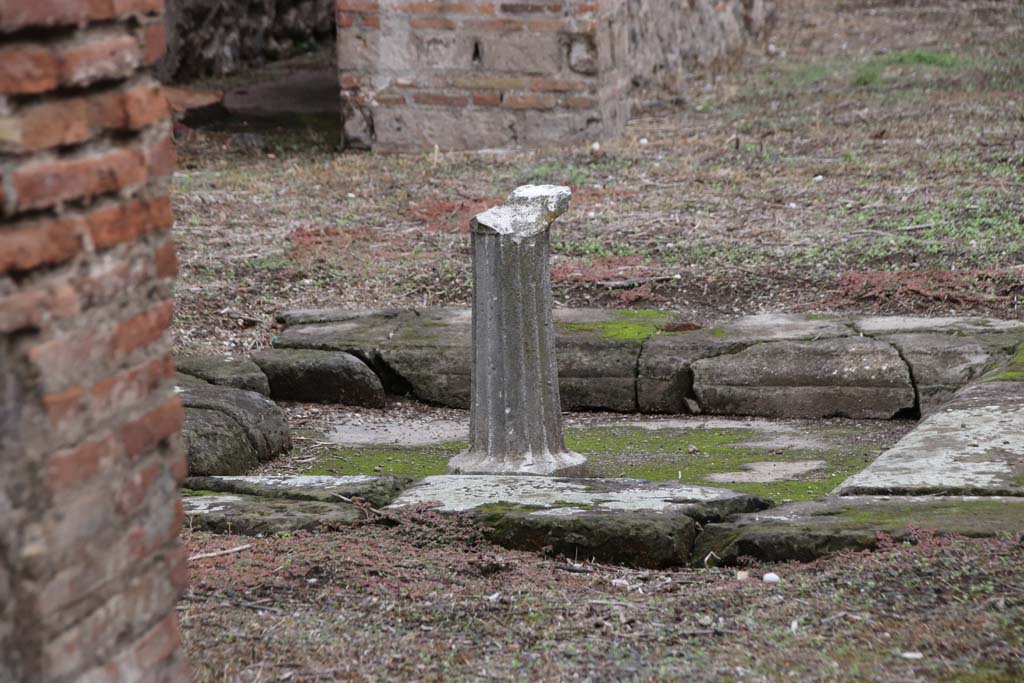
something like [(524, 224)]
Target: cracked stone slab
[(261, 516), (942, 363), (853, 377), (766, 471), (460, 493), (665, 376), (973, 445), (808, 530), (377, 490)]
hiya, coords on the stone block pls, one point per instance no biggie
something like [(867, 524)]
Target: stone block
[(216, 444), (320, 377), (523, 53), (237, 373), (844, 377), (261, 420)]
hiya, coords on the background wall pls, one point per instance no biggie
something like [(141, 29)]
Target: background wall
[(90, 456)]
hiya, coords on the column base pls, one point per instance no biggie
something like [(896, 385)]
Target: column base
[(476, 462)]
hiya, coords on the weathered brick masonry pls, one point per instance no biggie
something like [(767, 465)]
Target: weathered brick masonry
[(470, 74), (90, 455)]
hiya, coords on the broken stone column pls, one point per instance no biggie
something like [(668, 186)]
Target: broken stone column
[(515, 418)]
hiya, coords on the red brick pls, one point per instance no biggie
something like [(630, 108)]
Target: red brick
[(70, 468), (390, 100), (432, 23), (55, 123), (26, 69), (357, 6), (528, 101), (44, 242), (147, 431), (136, 487), (145, 105), (371, 20), (344, 19), (143, 329), (158, 644), (161, 157), (179, 465), (154, 41), (128, 387), (586, 7), (504, 25), (546, 25), (556, 85), (70, 357), (15, 14), (440, 99), (44, 183), (30, 308), (577, 102), (486, 99), (166, 259), (446, 8), (119, 223), (61, 404), (99, 57), (529, 7)]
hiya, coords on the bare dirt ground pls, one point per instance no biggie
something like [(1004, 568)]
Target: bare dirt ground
[(427, 600), (871, 158)]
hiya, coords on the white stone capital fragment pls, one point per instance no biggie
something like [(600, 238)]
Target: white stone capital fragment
[(529, 210)]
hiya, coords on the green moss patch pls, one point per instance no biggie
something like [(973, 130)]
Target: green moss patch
[(690, 455), (413, 462), (1014, 372), (631, 325)]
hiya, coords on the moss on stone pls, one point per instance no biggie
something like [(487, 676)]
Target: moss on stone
[(665, 455), (1013, 372), (415, 462), (195, 493), (632, 325), (718, 332)]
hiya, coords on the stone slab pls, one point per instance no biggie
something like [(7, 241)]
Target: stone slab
[(973, 445), (628, 521), (896, 324), (852, 377), (376, 490), (566, 496), (320, 377), (262, 516), (230, 372), (806, 531), (942, 363)]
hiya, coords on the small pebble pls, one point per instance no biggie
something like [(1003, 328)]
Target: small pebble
[(771, 577)]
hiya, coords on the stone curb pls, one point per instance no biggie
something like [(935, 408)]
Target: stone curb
[(644, 361)]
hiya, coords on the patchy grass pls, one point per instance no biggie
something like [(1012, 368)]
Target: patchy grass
[(413, 462)]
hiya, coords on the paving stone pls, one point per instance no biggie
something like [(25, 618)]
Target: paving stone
[(943, 363), (631, 521), (852, 377), (263, 423), (377, 490), (237, 373), (664, 370), (460, 492), (972, 445), (310, 316), (320, 377), (262, 516), (809, 530), (216, 444), (896, 324)]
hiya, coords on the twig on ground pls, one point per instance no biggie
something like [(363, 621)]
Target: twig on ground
[(220, 553)]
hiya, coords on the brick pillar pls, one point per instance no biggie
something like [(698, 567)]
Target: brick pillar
[(90, 452)]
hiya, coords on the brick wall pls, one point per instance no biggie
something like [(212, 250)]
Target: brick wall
[(468, 74), (90, 456)]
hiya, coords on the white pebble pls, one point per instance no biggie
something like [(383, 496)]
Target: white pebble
[(771, 577)]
